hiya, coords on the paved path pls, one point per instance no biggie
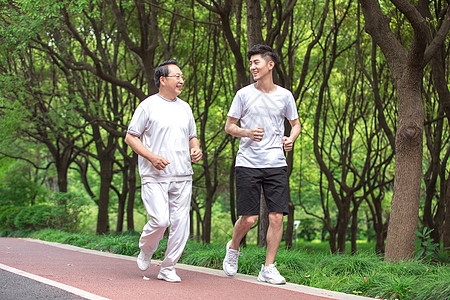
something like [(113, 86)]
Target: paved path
[(99, 275)]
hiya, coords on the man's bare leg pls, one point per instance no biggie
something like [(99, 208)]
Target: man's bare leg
[(241, 227), (274, 235)]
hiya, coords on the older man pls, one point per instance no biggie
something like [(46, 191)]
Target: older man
[(163, 133)]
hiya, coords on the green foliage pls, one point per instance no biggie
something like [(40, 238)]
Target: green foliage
[(64, 212), (34, 217), (7, 217), (68, 209), (16, 184), (426, 248)]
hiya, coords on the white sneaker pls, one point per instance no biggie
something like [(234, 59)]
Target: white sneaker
[(230, 262), (169, 276), (143, 261), (271, 275)]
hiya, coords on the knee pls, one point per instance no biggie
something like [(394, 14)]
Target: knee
[(276, 219), (248, 221), (159, 223)]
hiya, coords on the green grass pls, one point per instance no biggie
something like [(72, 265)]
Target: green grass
[(363, 274)]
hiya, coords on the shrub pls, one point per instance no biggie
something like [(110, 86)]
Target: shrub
[(34, 217), (42, 217), (7, 217), (23, 218), (67, 211)]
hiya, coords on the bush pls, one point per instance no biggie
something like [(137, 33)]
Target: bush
[(7, 216), (34, 217), (67, 211), (63, 213), (42, 217), (23, 218)]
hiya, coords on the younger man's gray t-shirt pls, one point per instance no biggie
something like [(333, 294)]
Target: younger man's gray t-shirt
[(268, 110)]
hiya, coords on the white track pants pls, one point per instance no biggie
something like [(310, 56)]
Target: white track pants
[(166, 204)]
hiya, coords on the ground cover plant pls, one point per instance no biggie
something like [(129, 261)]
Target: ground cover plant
[(365, 273)]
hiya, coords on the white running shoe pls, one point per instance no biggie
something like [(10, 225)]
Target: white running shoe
[(271, 275), (230, 262), (143, 261), (169, 276)]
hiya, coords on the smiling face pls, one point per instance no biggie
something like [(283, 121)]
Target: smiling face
[(260, 67), (171, 85)]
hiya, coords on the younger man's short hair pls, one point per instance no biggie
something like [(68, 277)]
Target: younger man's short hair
[(265, 51)]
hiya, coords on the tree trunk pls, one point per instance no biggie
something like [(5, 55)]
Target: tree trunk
[(254, 36), (254, 30), (290, 222), (207, 218), (332, 240), (379, 227), (354, 226), (121, 212), (103, 200), (232, 184), (61, 169), (263, 223), (341, 228), (446, 229), (408, 169), (132, 192), (290, 225), (406, 67)]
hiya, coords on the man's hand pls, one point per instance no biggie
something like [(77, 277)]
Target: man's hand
[(288, 143), (196, 154), (256, 134), (159, 162)]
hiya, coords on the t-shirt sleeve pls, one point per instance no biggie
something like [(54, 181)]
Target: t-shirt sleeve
[(138, 122), (291, 108), (236, 107), (192, 126)]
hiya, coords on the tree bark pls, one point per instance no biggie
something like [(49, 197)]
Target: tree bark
[(406, 68), (132, 191), (446, 229), (263, 222)]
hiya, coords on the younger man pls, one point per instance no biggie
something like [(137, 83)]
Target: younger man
[(261, 109)]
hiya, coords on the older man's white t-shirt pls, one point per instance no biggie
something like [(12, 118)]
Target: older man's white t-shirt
[(268, 110), (165, 128)]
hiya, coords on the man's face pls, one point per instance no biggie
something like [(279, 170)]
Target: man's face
[(260, 67), (174, 81)]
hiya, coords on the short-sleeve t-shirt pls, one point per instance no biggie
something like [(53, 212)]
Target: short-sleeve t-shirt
[(165, 128), (268, 110)]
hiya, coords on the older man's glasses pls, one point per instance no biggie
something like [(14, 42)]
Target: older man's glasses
[(178, 76)]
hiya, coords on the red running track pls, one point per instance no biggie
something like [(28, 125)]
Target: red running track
[(103, 275)]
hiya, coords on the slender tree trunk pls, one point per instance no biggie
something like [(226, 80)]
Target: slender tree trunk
[(446, 229), (132, 192), (341, 227), (379, 227), (207, 218), (232, 184), (254, 36), (263, 223), (103, 201), (121, 212), (332, 240)]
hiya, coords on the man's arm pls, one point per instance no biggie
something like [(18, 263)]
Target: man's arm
[(196, 153), (135, 143), (295, 131), (231, 127)]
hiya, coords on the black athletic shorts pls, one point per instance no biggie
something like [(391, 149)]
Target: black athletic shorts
[(274, 182)]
